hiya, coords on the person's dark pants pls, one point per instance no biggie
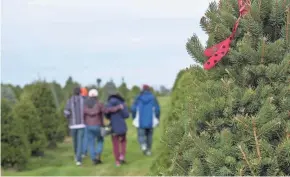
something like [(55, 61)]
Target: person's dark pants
[(77, 136), (145, 138), (119, 147)]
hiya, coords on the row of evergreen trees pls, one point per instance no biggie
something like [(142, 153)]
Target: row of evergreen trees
[(233, 119), (29, 125), (32, 117)]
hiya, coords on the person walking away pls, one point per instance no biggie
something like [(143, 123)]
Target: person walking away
[(93, 115), (84, 94), (146, 114), (119, 127), (74, 113)]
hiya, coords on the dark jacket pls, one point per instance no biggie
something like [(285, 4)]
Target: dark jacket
[(117, 119), (94, 114)]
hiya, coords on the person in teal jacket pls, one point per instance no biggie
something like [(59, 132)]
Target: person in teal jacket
[(146, 114)]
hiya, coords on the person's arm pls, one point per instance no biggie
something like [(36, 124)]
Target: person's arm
[(134, 108), (112, 109), (106, 114), (102, 115), (157, 108), (67, 109), (85, 113), (125, 111)]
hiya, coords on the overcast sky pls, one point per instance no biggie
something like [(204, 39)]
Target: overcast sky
[(140, 40)]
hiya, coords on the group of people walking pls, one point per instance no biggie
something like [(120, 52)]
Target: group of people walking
[(85, 114)]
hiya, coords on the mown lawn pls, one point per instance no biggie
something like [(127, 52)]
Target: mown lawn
[(60, 162)]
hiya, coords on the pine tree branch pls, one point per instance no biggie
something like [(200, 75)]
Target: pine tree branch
[(256, 139), (263, 50), (243, 123), (179, 166), (269, 128), (246, 159), (241, 171), (195, 49), (287, 25)]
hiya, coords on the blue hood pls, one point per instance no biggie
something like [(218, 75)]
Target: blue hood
[(143, 105), (146, 97)]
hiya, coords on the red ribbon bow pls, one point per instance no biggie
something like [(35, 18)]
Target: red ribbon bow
[(218, 51)]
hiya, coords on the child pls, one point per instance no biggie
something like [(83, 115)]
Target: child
[(119, 127)]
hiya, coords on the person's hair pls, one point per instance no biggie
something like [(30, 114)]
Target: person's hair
[(91, 102), (77, 91), (118, 96)]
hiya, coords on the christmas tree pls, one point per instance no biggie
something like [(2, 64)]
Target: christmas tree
[(42, 98), (24, 110), (234, 118), (14, 143), (108, 89), (124, 92)]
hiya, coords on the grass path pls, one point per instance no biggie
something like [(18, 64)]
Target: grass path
[(60, 162)]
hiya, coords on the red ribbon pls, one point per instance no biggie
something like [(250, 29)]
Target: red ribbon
[(218, 51)]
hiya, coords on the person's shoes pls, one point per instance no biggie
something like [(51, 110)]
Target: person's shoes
[(84, 155), (122, 159), (97, 161), (118, 164), (143, 147), (148, 153), (78, 163)]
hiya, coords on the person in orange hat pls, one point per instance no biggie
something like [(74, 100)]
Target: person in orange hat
[(84, 94)]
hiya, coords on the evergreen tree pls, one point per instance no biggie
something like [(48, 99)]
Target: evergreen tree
[(42, 98), (89, 87), (57, 92), (64, 128), (14, 145), (124, 91), (234, 118), (135, 90), (70, 84), (99, 81), (8, 93), (164, 91), (24, 110), (110, 87), (17, 90)]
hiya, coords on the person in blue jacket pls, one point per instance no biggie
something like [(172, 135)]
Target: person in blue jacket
[(146, 114), (119, 127)]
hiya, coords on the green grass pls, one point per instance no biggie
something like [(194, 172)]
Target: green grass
[(60, 162)]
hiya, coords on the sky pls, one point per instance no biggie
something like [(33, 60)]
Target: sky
[(140, 40)]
